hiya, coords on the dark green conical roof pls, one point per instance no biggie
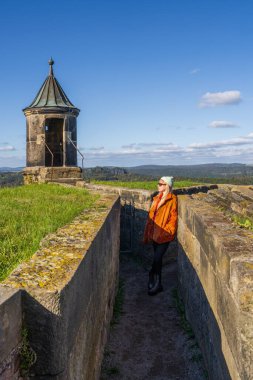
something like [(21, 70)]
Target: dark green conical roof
[(51, 94)]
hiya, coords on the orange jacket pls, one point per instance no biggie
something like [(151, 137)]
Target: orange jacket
[(161, 226)]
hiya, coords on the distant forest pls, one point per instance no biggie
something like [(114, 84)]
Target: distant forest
[(239, 174), (196, 171), (11, 179)]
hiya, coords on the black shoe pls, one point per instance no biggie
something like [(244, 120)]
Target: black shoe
[(157, 288), (151, 280)]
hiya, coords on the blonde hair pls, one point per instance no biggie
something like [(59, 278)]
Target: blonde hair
[(167, 190)]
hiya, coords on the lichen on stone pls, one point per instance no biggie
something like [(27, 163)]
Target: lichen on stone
[(60, 253)]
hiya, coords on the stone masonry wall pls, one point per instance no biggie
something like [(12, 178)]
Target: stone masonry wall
[(67, 290), (214, 266), (10, 333), (134, 209), (216, 279), (135, 204)]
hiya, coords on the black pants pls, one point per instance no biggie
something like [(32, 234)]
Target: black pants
[(159, 251)]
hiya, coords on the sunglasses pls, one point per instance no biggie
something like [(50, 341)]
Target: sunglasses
[(161, 184)]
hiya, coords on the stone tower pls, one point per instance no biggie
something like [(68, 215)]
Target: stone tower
[(51, 135)]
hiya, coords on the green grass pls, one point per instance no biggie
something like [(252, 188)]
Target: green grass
[(243, 221), (29, 213), (240, 220), (146, 185)]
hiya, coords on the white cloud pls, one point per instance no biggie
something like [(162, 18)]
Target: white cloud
[(144, 145), (194, 71), (238, 149), (222, 124), (244, 140), (5, 147), (130, 146), (213, 99), (97, 148)]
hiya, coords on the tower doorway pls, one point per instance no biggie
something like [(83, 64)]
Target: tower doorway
[(54, 142)]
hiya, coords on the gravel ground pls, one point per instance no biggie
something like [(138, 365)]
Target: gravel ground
[(148, 341)]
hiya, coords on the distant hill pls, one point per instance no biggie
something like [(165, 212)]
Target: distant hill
[(194, 171), (239, 174), (154, 171), (9, 170), (111, 173), (209, 173)]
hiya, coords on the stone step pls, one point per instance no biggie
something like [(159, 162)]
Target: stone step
[(68, 181)]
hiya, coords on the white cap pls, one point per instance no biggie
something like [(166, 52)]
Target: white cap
[(168, 180)]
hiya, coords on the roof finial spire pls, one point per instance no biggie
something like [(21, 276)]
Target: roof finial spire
[(51, 62)]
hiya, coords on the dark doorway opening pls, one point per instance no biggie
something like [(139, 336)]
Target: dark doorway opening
[(54, 142)]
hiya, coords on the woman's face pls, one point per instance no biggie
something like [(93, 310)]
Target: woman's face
[(161, 185)]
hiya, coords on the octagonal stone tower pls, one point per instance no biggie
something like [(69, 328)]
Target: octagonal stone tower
[(51, 135)]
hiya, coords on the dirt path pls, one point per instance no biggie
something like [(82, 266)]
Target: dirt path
[(149, 342)]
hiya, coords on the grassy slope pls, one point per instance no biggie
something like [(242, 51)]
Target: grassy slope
[(28, 213), (147, 185)]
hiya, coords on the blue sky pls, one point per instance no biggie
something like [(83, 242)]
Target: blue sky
[(158, 82)]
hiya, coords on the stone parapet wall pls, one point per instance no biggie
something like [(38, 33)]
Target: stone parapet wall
[(65, 292), (233, 200), (135, 204), (134, 209), (68, 289), (42, 174), (10, 333), (216, 281)]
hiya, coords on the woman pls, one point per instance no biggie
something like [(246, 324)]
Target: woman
[(161, 228)]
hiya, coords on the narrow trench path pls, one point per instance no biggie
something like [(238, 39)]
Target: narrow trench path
[(149, 342)]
